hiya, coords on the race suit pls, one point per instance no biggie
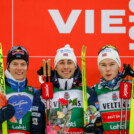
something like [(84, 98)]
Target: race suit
[(66, 114), (20, 96), (110, 108)]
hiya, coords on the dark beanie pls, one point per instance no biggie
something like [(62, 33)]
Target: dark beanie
[(17, 52)]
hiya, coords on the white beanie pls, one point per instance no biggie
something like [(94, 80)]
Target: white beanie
[(109, 53), (65, 53)]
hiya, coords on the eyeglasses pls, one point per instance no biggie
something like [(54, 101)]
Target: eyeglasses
[(18, 47), (108, 46)]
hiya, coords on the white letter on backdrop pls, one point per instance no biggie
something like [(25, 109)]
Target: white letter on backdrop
[(89, 21), (106, 21), (58, 20)]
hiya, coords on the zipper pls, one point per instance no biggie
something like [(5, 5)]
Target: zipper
[(66, 85), (19, 88)]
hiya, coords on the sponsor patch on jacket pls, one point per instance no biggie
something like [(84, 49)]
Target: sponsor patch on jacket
[(97, 105), (35, 121), (30, 89), (35, 108), (114, 97), (66, 95), (36, 114)]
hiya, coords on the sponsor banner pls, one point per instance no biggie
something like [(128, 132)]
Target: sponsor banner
[(17, 132), (114, 116), (73, 131), (68, 95), (43, 26), (114, 126), (110, 101), (115, 132)]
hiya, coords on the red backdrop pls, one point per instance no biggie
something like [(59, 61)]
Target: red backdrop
[(43, 26)]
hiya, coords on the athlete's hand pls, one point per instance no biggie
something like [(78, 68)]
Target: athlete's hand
[(40, 71), (6, 113), (131, 71), (125, 71), (3, 100)]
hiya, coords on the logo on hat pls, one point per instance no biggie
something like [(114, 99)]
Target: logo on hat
[(65, 54), (18, 51), (65, 50), (105, 54)]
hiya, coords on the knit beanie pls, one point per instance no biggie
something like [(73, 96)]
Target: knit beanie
[(65, 53), (109, 53), (17, 52)]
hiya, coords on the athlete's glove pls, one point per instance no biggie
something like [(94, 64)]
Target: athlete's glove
[(125, 71), (6, 113), (90, 129), (4, 110), (40, 71), (130, 72)]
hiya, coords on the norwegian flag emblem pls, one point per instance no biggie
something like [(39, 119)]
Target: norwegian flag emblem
[(105, 54), (65, 54)]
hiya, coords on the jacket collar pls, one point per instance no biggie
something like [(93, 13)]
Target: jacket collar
[(73, 82)]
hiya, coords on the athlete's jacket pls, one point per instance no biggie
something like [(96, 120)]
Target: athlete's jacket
[(110, 107), (66, 107), (20, 96)]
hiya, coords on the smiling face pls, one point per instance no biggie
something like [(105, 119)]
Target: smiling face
[(109, 69), (18, 69), (65, 68)]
